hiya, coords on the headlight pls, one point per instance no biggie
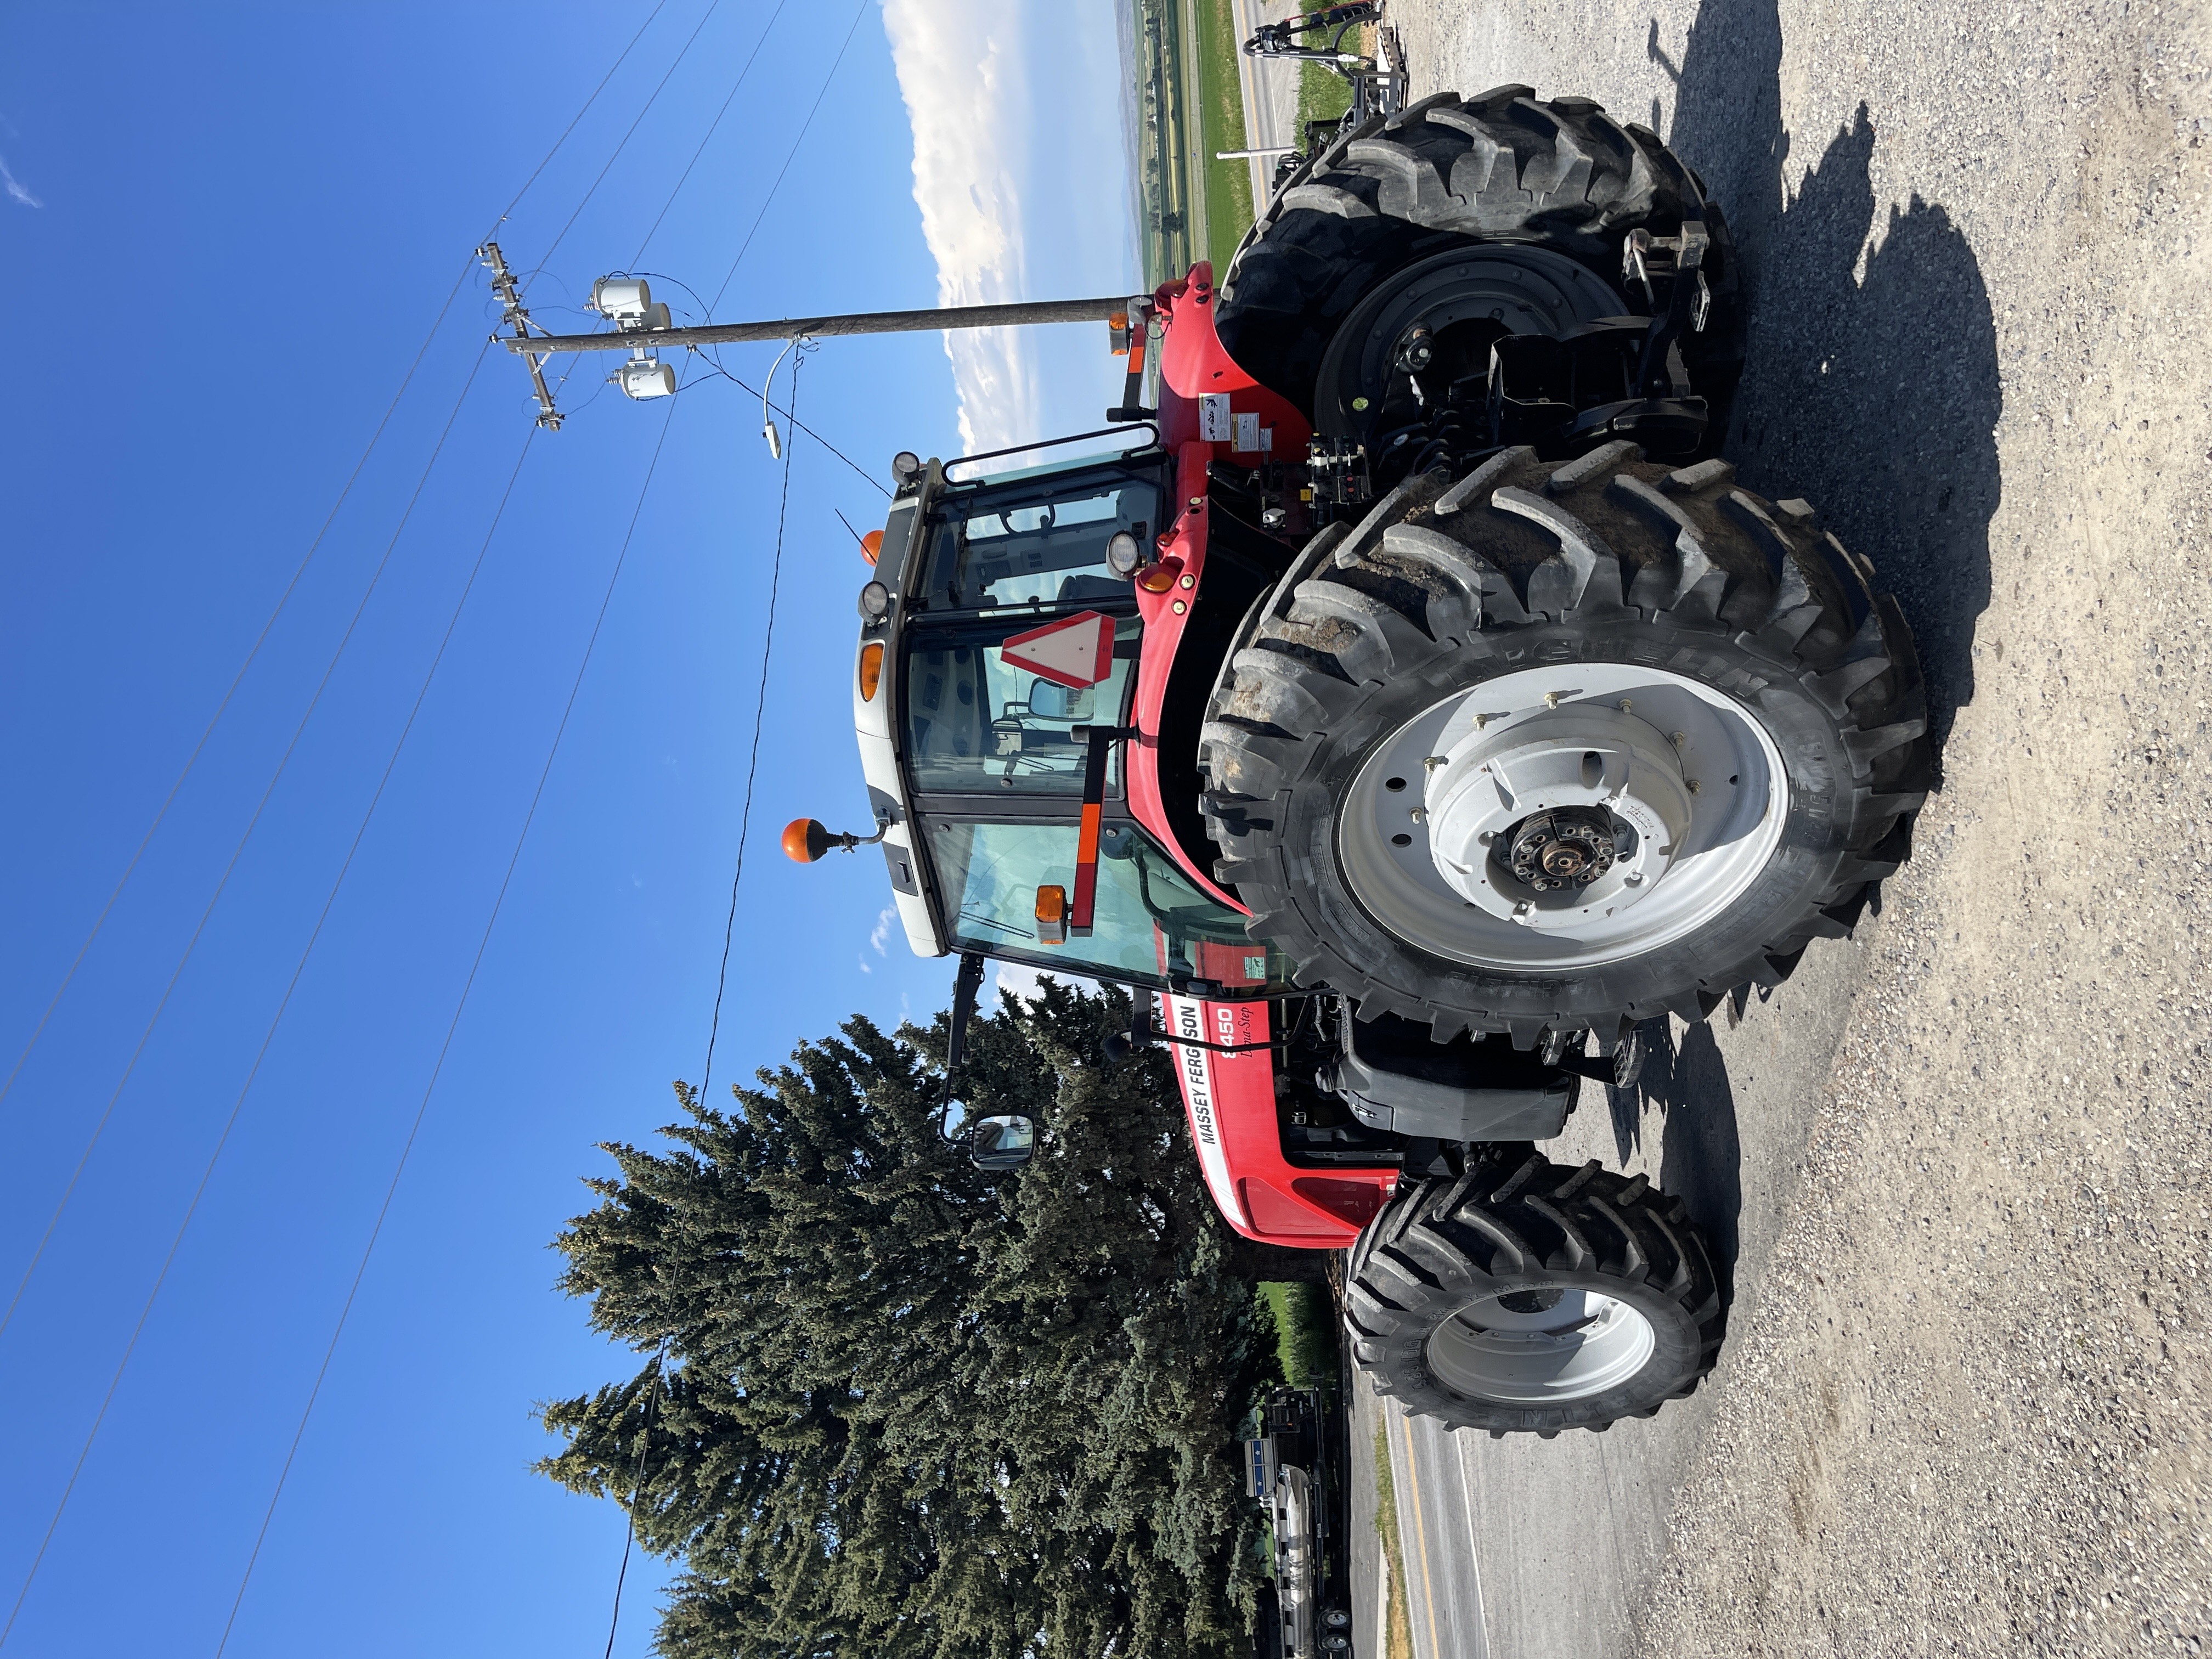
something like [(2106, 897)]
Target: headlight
[(1122, 553), (875, 601)]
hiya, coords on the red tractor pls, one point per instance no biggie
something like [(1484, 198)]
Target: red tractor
[(1414, 699)]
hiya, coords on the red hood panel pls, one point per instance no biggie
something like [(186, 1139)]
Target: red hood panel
[(1231, 1100), (1207, 407)]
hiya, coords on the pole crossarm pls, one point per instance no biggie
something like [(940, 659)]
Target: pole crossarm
[(866, 322)]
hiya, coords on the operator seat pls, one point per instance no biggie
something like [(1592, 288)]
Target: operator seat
[(1076, 588)]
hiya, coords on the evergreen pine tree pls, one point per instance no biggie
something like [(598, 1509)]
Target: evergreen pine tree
[(910, 1408)]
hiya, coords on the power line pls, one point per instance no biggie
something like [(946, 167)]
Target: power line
[(581, 111), (721, 980), (546, 257), (752, 765), (268, 1039), (237, 680), (284, 598), (858, 12), (238, 852), (460, 1005), (798, 425), (711, 129), (637, 1491)]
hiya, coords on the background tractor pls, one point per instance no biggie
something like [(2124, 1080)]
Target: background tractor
[(1414, 702)]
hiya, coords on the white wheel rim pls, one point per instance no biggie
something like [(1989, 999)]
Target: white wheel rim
[(1690, 778), (1582, 1344)]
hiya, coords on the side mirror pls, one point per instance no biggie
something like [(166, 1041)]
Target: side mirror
[(1001, 1143)]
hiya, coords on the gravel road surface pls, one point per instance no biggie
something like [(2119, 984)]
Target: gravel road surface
[(1958, 1163)]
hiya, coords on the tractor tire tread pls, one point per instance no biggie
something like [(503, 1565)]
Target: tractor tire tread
[(1416, 603), (1442, 1243)]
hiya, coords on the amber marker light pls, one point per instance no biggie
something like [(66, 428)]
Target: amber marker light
[(805, 840), (1051, 915), (871, 670), (872, 545), (1159, 578)]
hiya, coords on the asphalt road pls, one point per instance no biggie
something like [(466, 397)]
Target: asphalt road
[(1437, 1533), (1271, 92), (1536, 1549), (1956, 1163)]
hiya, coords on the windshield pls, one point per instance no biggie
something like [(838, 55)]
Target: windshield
[(975, 722), (1153, 927), (1039, 542)]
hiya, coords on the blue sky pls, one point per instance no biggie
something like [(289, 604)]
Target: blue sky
[(227, 228)]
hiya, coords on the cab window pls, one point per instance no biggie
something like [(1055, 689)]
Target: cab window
[(1152, 926), (976, 724), (1040, 541)]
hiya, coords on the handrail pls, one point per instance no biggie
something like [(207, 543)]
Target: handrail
[(1054, 443)]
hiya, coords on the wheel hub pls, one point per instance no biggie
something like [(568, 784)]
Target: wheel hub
[(1559, 818), (1570, 847), (1543, 815)]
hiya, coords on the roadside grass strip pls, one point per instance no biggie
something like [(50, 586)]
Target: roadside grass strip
[(1305, 1331), (1324, 96), (1228, 186), (1400, 1623)]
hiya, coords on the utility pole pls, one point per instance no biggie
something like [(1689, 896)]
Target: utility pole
[(642, 328), (518, 316), (867, 322)]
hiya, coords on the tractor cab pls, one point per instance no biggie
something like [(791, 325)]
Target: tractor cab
[(996, 700), (1016, 643)]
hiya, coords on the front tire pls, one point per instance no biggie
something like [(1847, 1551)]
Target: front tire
[(1526, 1297), (1745, 712)]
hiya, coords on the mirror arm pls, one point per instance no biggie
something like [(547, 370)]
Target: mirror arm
[(965, 985)]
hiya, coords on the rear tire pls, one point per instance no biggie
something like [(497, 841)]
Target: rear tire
[(1447, 173), (1464, 1296), (1605, 571)]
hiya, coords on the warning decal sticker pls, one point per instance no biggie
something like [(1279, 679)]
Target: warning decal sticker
[(1074, 652)]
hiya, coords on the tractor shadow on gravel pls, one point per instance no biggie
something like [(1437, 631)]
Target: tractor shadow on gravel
[(1871, 385), (1701, 1157)]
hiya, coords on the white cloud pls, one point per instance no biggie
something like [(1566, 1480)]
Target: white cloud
[(15, 192), (882, 934), (960, 65)]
